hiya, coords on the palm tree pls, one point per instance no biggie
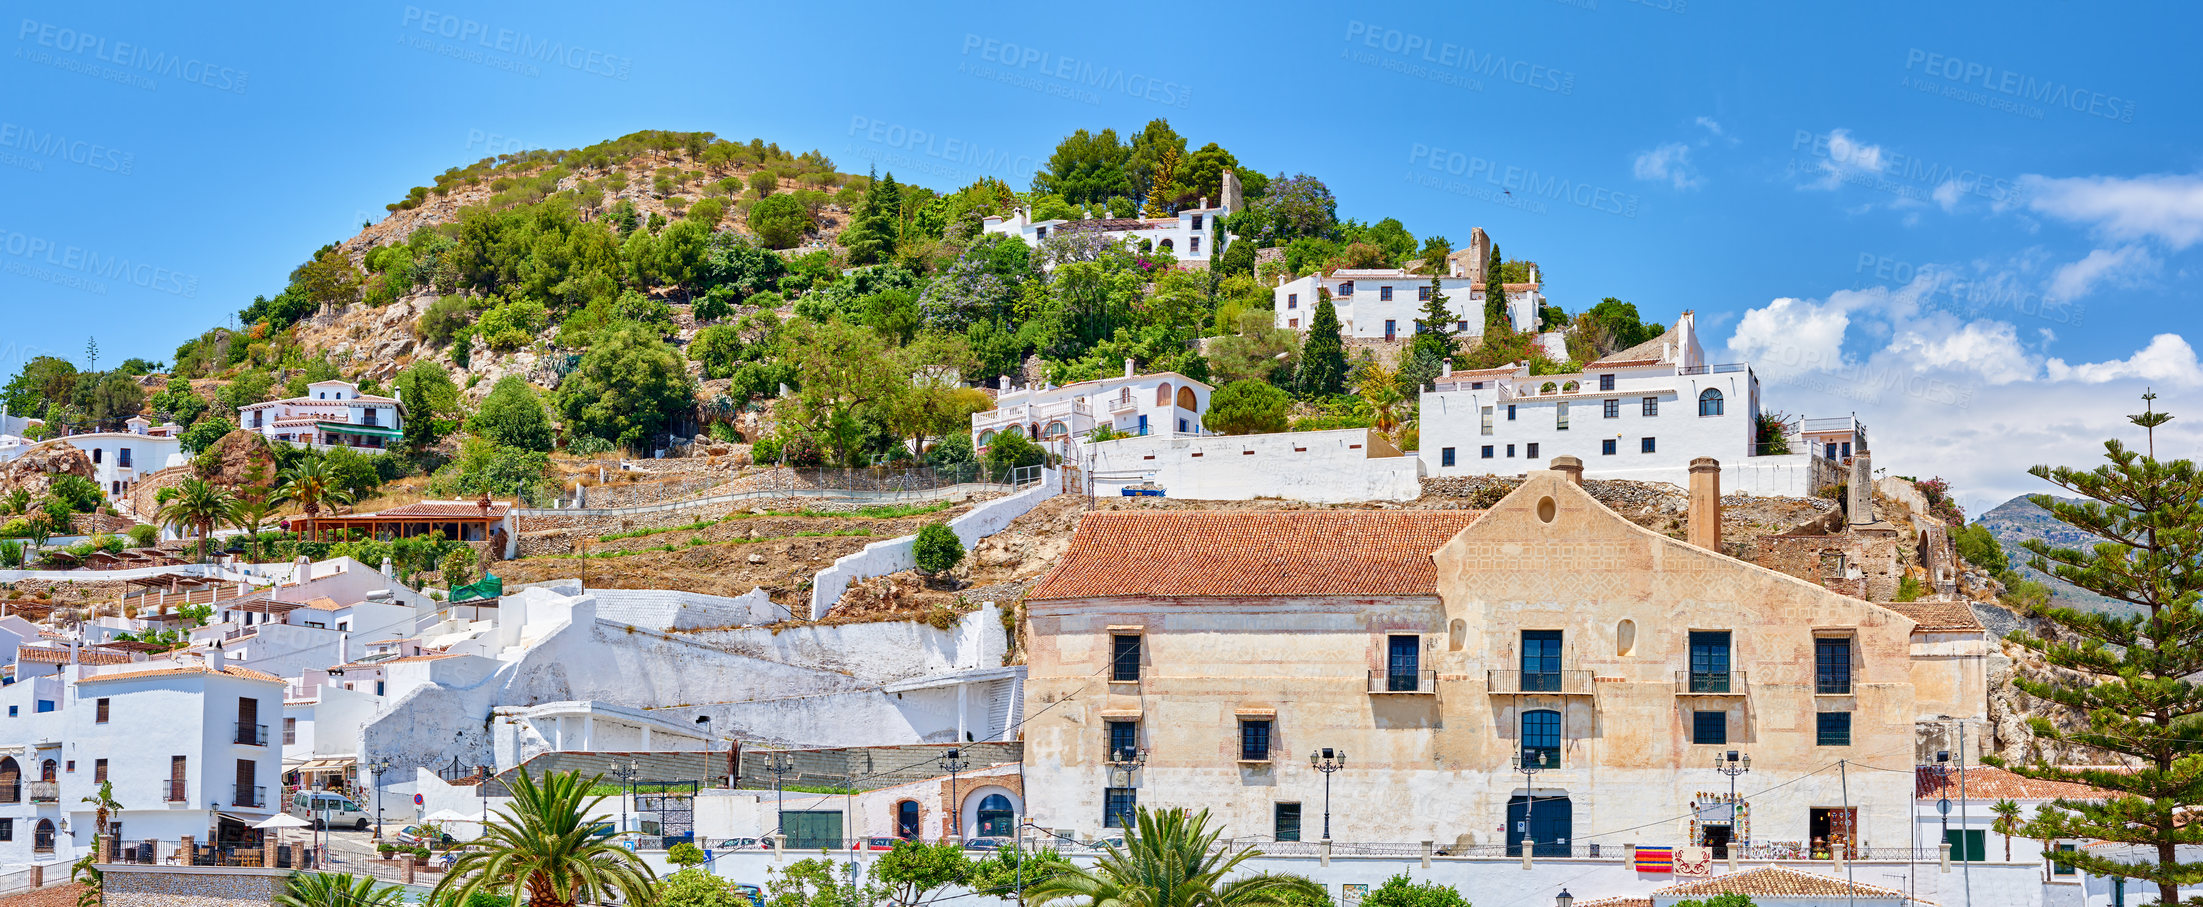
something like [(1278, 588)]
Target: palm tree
[(253, 515), (199, 505), (1171, 860), (337, 889), (2006, 824), (1380, 389), (547, 845), (311, 484), (103, 805)]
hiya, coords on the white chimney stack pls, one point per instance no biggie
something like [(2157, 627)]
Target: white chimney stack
[(1128, 368), (1445, 369)]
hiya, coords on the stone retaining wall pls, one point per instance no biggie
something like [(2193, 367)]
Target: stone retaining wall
[(190, 886)]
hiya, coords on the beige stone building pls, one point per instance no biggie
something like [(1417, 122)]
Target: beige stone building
[(1198, 659)]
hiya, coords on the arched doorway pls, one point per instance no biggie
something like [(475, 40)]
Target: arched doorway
[(49, 771), (42, 838), (906, 820), (1549, 820), (1186, 400), (991, 811), (11, 781)]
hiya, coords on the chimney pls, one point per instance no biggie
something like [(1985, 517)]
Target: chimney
[(1204, 202), (216, 660), (1570, 467), (1705, 503), (1128, 368), (1445, 370), (386, 568), (1860, 501)]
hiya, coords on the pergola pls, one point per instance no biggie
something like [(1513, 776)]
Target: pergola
[(464, 521)]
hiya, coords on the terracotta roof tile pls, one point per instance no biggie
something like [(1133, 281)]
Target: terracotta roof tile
[(1777, 882), (434, 509), (1217, 553), (1616, 902), (1937, 615), (61, 656), (325, 604), (180, 670), (1931, 782)]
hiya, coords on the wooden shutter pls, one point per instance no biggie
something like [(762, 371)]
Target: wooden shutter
[(245, 776), (248, 711)]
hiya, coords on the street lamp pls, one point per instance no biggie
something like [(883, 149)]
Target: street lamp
[(952, 763), (1564, 899), (1731, 765), (1529, 765), (627, 775), (1327, 760), (376, 768), (1127, 759), (779, 764)]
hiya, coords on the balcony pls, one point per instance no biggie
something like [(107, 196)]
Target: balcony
[(1719, 369), (252, 734), (45, 791), (1414, 683), (1690, 683), (176, 792), (250, 797), (1563, 683)]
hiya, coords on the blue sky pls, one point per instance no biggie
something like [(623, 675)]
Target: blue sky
[(1967, 223)]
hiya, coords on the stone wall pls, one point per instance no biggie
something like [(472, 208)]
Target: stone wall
[(1861, 564), (190, 886)]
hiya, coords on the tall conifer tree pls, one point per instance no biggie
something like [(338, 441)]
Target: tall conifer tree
[(1323, 355)]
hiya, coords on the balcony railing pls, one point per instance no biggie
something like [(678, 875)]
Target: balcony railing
[(252, 734), (44, 791), (1565, 683), (176, 792), (1719, 369), (1412, 682), (250, 796), (1703, 683)]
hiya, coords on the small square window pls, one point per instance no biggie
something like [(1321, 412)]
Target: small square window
[(1510, 451), (1293, 323), (1606, 382), (1458, 326), (1613, 409), (1644, 445), (1531, 450), (1118, 805), (1124, 740), (1445, 456), (1832, 729), (1606, 447), (1652, 406), (1292, 300), (1384, 294), (1254, 740), (1287, 826), (1709, 728), (1487, 451), (1422, 294)]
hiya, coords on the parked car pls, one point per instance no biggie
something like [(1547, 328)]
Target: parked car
[(741, 844), (986, 843), (423, 836), (327, 808), (755, 894), (876, 843), (1116, 841)]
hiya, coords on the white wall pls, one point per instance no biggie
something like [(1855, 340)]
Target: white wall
[(1325, 467), (895, 555), (1454, 419), (666, 609)]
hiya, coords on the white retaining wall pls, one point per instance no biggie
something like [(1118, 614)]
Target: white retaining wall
[(1323, 467), (895, 555), (667, 609)]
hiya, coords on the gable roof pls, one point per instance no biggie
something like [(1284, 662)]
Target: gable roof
[(1225, 553), (1778, 882), (1937, 616), (59, 656), (181, 670), (1982, 782)]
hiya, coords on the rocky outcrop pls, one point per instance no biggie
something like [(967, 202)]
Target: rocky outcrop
[(241, 458), (35, 470)]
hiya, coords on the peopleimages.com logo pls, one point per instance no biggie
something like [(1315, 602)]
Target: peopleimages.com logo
[(520, 48), (1082, 79), (1962, 75), (40, 258), (33, 147), (1444, 60), (131, 61)]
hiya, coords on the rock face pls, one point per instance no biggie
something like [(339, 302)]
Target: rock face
[(35, 470), (240, 458)]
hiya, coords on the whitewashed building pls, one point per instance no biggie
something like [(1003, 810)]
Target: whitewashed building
[(121, 458), (1191, 235), (186, 743), (1159, 403), (1384, 303), (1642, 413), (331, 414)]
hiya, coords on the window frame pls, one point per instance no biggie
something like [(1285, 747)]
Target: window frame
[(1119, 734), (1612, 408), (1546, 730), (1711, 395), (1278, 828), (1530, 450), (1119, 806), (1122, 670), (1487, 452), (1606, 381), (1649, 406), (1257, 731), (1607, 447), (1647, 445), (1700, 718), (1445, 456), (1826, 667), (1824, 728)]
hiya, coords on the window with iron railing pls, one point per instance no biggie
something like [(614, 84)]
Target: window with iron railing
[(1832, 666), (1709, 661), (1541, 660), (1254, 740), (1124, 659)]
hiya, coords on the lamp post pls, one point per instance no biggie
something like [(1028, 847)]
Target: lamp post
[(779, 764), (1529, 765), (376, 768), (954, 762), (1732, 765), (1127, 759), (1564, 899), (627, 775), (1327, 760)]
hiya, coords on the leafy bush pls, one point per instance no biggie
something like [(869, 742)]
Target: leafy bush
[(588, 446), (11, 554), (1908, 589), (512, 325), (953, 450), (937, 549), (1247, 407), (684, 854), (779, 221), (204, 433), (447, 316), (512, 416), (1009, 450), (1401, 891), (79, 493), (144, 536), (1977, 547), (695, 888)]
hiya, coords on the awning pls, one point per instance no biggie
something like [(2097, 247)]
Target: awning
[(327, 765), (352, 428)]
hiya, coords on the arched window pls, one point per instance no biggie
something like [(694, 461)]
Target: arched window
[(1056, 430), (1709, 403), (1548, 387), (1162, 394), (49, 771), (906, 820), (42, 839), (997, 818), (986, 438), (1124, 396), (11, 781), (1163, 246), (1186, 400), (95, 456), (1570, 387), (1541, 737)]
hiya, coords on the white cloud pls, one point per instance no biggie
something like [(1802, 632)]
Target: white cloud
[(1669, 162), (1711, 126), (2120, 267), (1845, 157), (1989, 349), (1791, 336), (2167, 207), (1948, 195), (2168, 358)]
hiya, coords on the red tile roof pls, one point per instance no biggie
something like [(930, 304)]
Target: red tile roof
[(1219, 553), (1778, 882), (1931, 782), (1937, 616), (230, 671), (61, 656), (435, 510)]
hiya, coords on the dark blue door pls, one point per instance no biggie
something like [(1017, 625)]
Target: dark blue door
[(1403, 664), (1541, 661), (1548, 822), (1709, 662)]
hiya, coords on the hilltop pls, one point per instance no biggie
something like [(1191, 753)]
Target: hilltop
[(2018, 520)]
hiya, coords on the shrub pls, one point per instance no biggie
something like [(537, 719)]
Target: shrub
[(1010, 450), (937, 549), (684, 854), (144, 536), (509, 326), (80, 494), (11, 554), (1908, 589), (588, 446), (1247, 407)]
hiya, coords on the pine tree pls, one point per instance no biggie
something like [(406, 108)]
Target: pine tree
[(1323, 355), (2125, 679), (1495, 296), (872, 232), (1434, 330)]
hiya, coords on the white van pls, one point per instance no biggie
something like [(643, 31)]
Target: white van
[(329, 807)]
